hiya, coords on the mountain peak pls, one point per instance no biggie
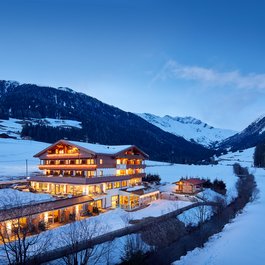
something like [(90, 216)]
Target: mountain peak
[(66, 89), (187, 120)]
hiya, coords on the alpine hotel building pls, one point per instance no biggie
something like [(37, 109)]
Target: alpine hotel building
[(110, 175)]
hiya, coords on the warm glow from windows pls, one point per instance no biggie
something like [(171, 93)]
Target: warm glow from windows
[(46, 217), (8, 226)]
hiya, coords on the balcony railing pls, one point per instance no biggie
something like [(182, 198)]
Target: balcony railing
[(84, 180), (127, 166)]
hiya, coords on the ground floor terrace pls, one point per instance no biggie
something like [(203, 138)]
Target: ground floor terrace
[(64, 189), (48, 215)]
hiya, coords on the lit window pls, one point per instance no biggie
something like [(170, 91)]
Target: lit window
[(109, 186), (100, 161), (124, 183)]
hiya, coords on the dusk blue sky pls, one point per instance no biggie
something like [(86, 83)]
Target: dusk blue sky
[(203, 59)]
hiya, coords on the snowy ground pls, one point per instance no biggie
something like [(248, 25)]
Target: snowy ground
[(170, 173)]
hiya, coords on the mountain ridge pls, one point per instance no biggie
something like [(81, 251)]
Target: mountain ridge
[(101, 123), (190, 128), (252, 135)]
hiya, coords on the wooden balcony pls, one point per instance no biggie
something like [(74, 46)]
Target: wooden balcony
[(83, 180), (131, 156), (68, 167)]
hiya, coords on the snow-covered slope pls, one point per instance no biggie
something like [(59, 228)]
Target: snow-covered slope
[(13, 156), (13, 127), (190, 128)]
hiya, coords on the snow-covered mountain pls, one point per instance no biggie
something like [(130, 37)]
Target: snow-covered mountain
[(249, 137), (191, 129)]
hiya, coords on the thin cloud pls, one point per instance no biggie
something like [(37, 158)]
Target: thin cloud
[(210, 76)]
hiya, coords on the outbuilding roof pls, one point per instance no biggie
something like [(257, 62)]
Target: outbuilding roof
[(192, 181)]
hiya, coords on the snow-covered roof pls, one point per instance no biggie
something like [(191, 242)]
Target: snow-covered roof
[(192, 181), (101, 149), (135, 188), (94, 148)]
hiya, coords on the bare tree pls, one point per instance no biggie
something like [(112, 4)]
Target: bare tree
[(134, 249), (18, 238), (161, 234), (80, 234)]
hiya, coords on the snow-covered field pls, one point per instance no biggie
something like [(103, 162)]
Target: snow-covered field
[(13, 156), (242, 241), (173, 172)]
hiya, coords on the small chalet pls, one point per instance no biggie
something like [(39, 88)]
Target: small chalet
[(189, 186)]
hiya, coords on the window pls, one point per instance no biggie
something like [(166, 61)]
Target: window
[(124, 183), (116, 185), (100, 161), (67, 173), (109, 186), (79, 173), (90, 173), (90, 161), (101, 173)]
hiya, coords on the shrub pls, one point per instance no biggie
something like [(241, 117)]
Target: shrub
[(152, 178)]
